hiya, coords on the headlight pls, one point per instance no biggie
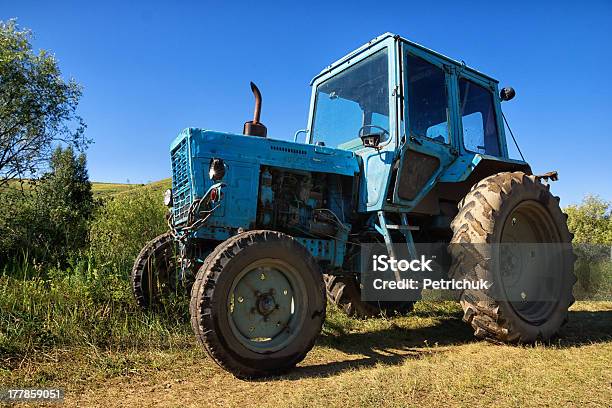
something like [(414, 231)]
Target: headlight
[(216, 170), (168, 198)]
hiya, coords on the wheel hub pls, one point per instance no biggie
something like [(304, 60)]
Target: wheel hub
[(263, 305), (266, 304)]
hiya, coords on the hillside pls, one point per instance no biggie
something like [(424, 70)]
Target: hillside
[(102, 189)]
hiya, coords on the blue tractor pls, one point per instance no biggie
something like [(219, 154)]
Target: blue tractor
[(403, 146)]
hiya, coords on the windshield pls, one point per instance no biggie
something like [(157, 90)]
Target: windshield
[(355, 97)]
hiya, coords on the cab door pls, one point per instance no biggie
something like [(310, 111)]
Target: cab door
[(429, 131)]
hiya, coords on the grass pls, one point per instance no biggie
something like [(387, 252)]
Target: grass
[(84, 306), (426, 359), (78, 329)]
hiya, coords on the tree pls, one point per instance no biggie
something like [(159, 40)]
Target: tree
[(37, 107), (591, 221), (49, 222), (66, 197)]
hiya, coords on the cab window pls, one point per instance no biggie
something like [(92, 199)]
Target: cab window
[(478, 118), (427, 100), (352, 99)]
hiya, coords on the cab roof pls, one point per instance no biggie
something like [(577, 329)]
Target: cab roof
[(383, 37)]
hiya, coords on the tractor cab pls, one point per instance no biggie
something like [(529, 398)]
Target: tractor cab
[(415, 117)]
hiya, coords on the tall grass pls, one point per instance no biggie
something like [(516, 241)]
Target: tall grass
[(80, 306), (90, 302)]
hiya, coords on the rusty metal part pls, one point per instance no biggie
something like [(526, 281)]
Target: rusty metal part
[(257, 95), (255, 127), (551, 175)]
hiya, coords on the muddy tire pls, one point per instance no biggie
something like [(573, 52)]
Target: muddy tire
[(511, 208), (154, 272), (344, 292), (258, 304)]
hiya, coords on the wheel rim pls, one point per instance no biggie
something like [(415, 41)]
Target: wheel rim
[(266, 306), (161, 274), (528, 270)]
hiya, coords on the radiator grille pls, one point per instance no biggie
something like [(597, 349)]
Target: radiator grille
[(181, 186)]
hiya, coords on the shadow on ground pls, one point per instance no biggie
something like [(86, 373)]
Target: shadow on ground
[(390, 346), (584, 328), (394, 345)]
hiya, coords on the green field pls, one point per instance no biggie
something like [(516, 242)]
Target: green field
[(101, 189)]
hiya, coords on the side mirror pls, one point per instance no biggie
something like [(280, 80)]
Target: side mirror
[(507, 93), (370, 140)]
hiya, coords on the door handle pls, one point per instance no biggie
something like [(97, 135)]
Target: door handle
[(415, 140)]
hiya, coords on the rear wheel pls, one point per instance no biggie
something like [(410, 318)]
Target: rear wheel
[(496, 219), (258, 303), (345, 292)]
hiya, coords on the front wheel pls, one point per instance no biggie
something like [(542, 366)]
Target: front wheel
[(258, 304)]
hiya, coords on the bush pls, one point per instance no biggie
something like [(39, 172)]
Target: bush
[(124, 224), (591, 223)]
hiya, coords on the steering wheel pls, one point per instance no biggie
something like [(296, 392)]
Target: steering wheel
[(384, 131)]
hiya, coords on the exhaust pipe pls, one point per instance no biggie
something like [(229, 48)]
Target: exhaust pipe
[(254, 127)]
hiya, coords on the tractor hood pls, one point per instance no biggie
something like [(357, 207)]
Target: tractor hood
[(206, 144), (239, 159)]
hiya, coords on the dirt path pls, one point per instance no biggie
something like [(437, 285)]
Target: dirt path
[(479, 374)]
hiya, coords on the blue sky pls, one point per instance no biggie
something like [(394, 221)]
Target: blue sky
[(150, 69)]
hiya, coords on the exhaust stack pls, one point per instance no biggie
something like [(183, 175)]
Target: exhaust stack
[(254, 127)]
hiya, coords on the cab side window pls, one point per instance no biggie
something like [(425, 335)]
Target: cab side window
[(427, 100), (478, 118)]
